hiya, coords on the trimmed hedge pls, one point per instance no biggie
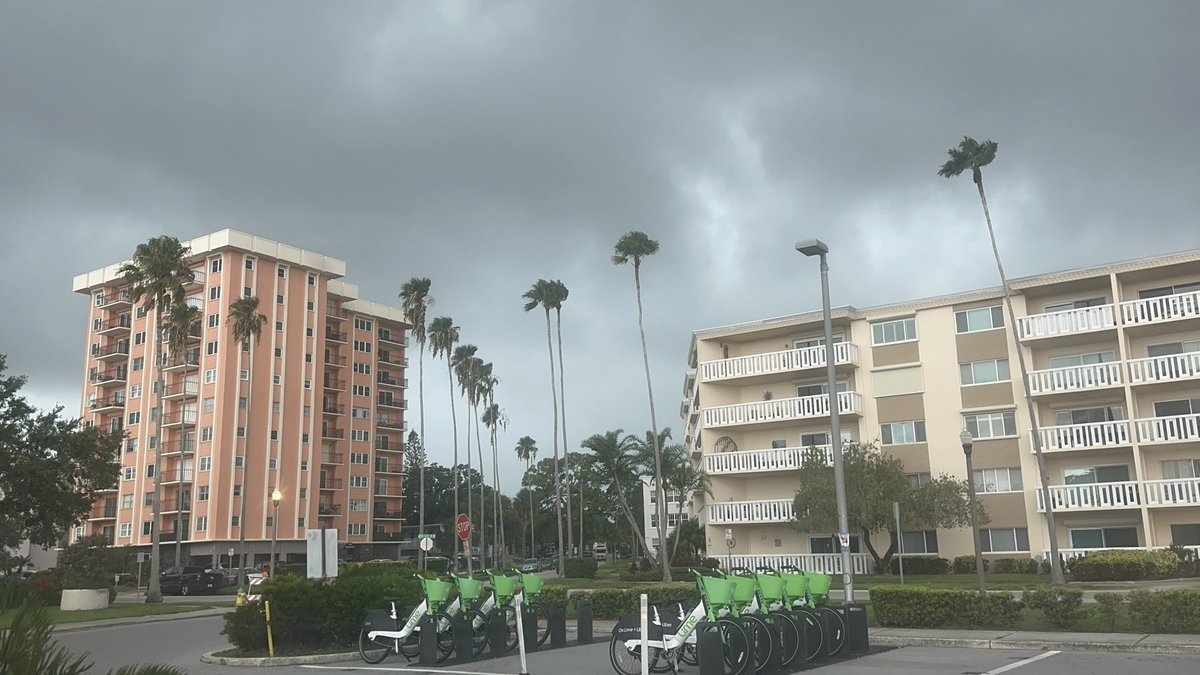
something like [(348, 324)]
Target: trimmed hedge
[(1015, 566), (920, 564), (1110, 608), (1063, 607), (678, 573), (1124, 565), (580, 568), (916, 607), (965, 564), (1167, 611)]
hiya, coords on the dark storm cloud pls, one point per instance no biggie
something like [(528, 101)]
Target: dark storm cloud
[(488, 144)]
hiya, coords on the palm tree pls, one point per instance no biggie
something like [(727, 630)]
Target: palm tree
[(527, 450), (482, 383), (156, 274), (684, 478), (443, 335), (182, 319), (415, 300), (543, 293), (246, 324), (619, 458), (633, 246), (558, 296), (464, 361), (493, 419), (973, 155)]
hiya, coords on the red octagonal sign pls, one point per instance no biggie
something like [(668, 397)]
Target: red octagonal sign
[(463, 526)]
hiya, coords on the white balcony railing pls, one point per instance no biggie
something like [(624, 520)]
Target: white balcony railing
[(777, 362), (1160, 309), (1173, 492), (752, 461), (1084, 436), (1074, 378), (1072, 321), (1173, 429), (821, 563), (1091, 497), (766, 511), (781, 409), (1172, 368)]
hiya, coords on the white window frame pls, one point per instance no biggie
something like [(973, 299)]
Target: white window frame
[(359, 482), (971, 366), (985, 539), (205, 463), (906, 331), (210, 376), (987, 423), (910, 433), (126, 531), (1000, 480), (992, 314)]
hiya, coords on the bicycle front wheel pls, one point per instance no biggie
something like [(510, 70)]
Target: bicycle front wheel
[(836, 627), (510, 628), (373, 651), (789, 638), (479, 631), (444, 626), (627, 661), (814, 635), (687, 654), (762, 641), (542, 619), (736, 644)]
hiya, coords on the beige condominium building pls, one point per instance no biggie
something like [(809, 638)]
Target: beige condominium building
[(1114, 359), (320, 416)]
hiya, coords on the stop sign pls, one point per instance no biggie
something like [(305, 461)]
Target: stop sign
[(463, 527)]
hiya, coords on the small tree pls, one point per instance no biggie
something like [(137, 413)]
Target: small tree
[(874, 481), (90, 563)]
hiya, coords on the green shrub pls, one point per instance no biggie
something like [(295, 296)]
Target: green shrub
[(47, 586), (920, 564), (1189, 561), (1015, 566), (297, 610), (1125, 565), (1166, 611), (90, 563), (580, 568), (916, 607), (400, 567), (965, 564), (611, 603), (553, 595), (1110, 607), (347, 601), (246, 627), (1061, 606), (711, 563)]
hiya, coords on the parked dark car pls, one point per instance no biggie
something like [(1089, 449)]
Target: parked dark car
[(190, 580), (548, 564)]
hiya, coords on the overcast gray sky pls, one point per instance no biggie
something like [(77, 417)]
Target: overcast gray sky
[(485, 145)]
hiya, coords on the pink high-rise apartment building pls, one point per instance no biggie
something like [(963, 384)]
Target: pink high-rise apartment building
[(319, 416)]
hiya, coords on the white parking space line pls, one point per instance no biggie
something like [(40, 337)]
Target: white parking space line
[(1023, 662), (401, 669)]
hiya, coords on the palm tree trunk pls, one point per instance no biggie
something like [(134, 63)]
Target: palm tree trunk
[(482, 484), (562, 393), (557, 477), (528, 465), (637, 531), (179, 490), (245, 466), (1056, 572), (153, 590), (658, 483), (421, 471), (470, 504), (678, 527), (497, 521), (454, 426)]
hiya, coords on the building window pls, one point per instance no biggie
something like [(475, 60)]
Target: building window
[(138, 363), (361, 390), (281, 272), (134, 418), (139, 338), (357, 529), (214, 293), (360, 458), (358, 505), (362, 368), (311, 305), (235, 521), (237, 489), (360, 413), (1004, 540), (214, 320), (308, 332), (211, 348), (244, 374), (891, 332), (304, 438), (358, 481), (274, 434), (1089, 475), (1104, 537), (270, 521), (149, 471), (921, 541), (210, 376), (1075, 304), (208, 405), (206, 434), (1076, 360), (241, 432), (822, 389), (135, 391), (201, 523), (215, 265), (919, 480), (903, 433), (126, 530), (831, 544), (1176, 408), (992, 425), (148, 499), (278, 325), (1089, 415), (1174, 469), (362, 346), (308, 411), (308, 358), (304, 463), (362, 324), (278, 352), (307, 383), (247, 291), (984, 372), (279, 298), (999, 480), (312, 280), (300, 522), (205, 463), (131, 445), (985, 318), (202, 493), (277, 379), (360, 435), (147, 528), (249, 263), (126, 501), (303, 493)]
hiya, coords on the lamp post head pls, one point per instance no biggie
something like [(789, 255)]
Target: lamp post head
[(811, 247), (966, 439), (276, 497)]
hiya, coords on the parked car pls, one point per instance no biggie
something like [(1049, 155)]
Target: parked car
[(548, 564), (189, 580), (530, 566)]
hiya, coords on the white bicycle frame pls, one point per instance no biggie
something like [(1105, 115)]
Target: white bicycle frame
[(677, 639), (409, 626)]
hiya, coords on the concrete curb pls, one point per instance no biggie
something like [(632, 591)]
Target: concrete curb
[(1064, 645), (260, 661), (127, 621)]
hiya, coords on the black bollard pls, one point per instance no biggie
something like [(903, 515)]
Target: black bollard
[(857, 639), (497, 634), (710, 652), (558, 626), (583, 620), (814, 631), (529, 620), (773, 659), (427, 642), (464, 647)]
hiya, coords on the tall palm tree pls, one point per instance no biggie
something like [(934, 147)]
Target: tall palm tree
[(543, 293), (493, 419), (443, 335), (633, 247), (182, 319), (480, 385), (415, 301), (973, 156), (527, 449), (685, 478), (156, 274), (246, 324), (464, 361), (558, 296), (619, 459)]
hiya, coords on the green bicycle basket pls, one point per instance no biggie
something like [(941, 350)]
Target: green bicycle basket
[(503, 587), (795, 585), (771, 587), (744, 589), (532, 584), (818, 584), (718, 592), (436, 590), (469, 589)]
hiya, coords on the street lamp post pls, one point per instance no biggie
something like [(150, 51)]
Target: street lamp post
[(276, 497), (816, 247), (967, 439)]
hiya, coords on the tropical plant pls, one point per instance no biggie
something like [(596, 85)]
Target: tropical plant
[(443, 335), (632, 247), (971, 155), (545, 294), (415, 301), (246, 325), (157, 275), (527, 449), (558, 295), (619, 458), (684, 478), (493, 419), (690, 535), (463, 360), (183, 320)]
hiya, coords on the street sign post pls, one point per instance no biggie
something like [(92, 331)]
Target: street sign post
[(426, 544), (462, 526)]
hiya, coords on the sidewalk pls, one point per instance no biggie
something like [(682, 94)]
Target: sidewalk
[(1003, 639), (124, 621)]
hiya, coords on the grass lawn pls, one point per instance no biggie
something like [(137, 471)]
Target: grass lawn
[(994, 582), (120, 611)]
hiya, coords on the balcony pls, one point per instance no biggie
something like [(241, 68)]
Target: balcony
[(170, 536), (178, 448), (774, 363), (180, 418), (389, 448), (189, 361), (388, 336), (1070, 322), (388, 360), (113, 377), (1088, 436), (391, 402), (819, 563), (331, 484), (1171, 368), (384, 467), (335, 336), (388, 515), (1173, 492), (384, 492), (335, 361), (177, 476), (1173, 429), (109, 403), (109, 514), (756, 461), (333, 458), (384, 423), (181, 389), (750, 513), (335, 313), (115, 299), (113, 352), (334, 384), (199, 278), (1161, 309), (121, 324), (333, 409), (1091, 497), (391, 381), (333, 432), (781, 410), (329, 510), (1074, 379)]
